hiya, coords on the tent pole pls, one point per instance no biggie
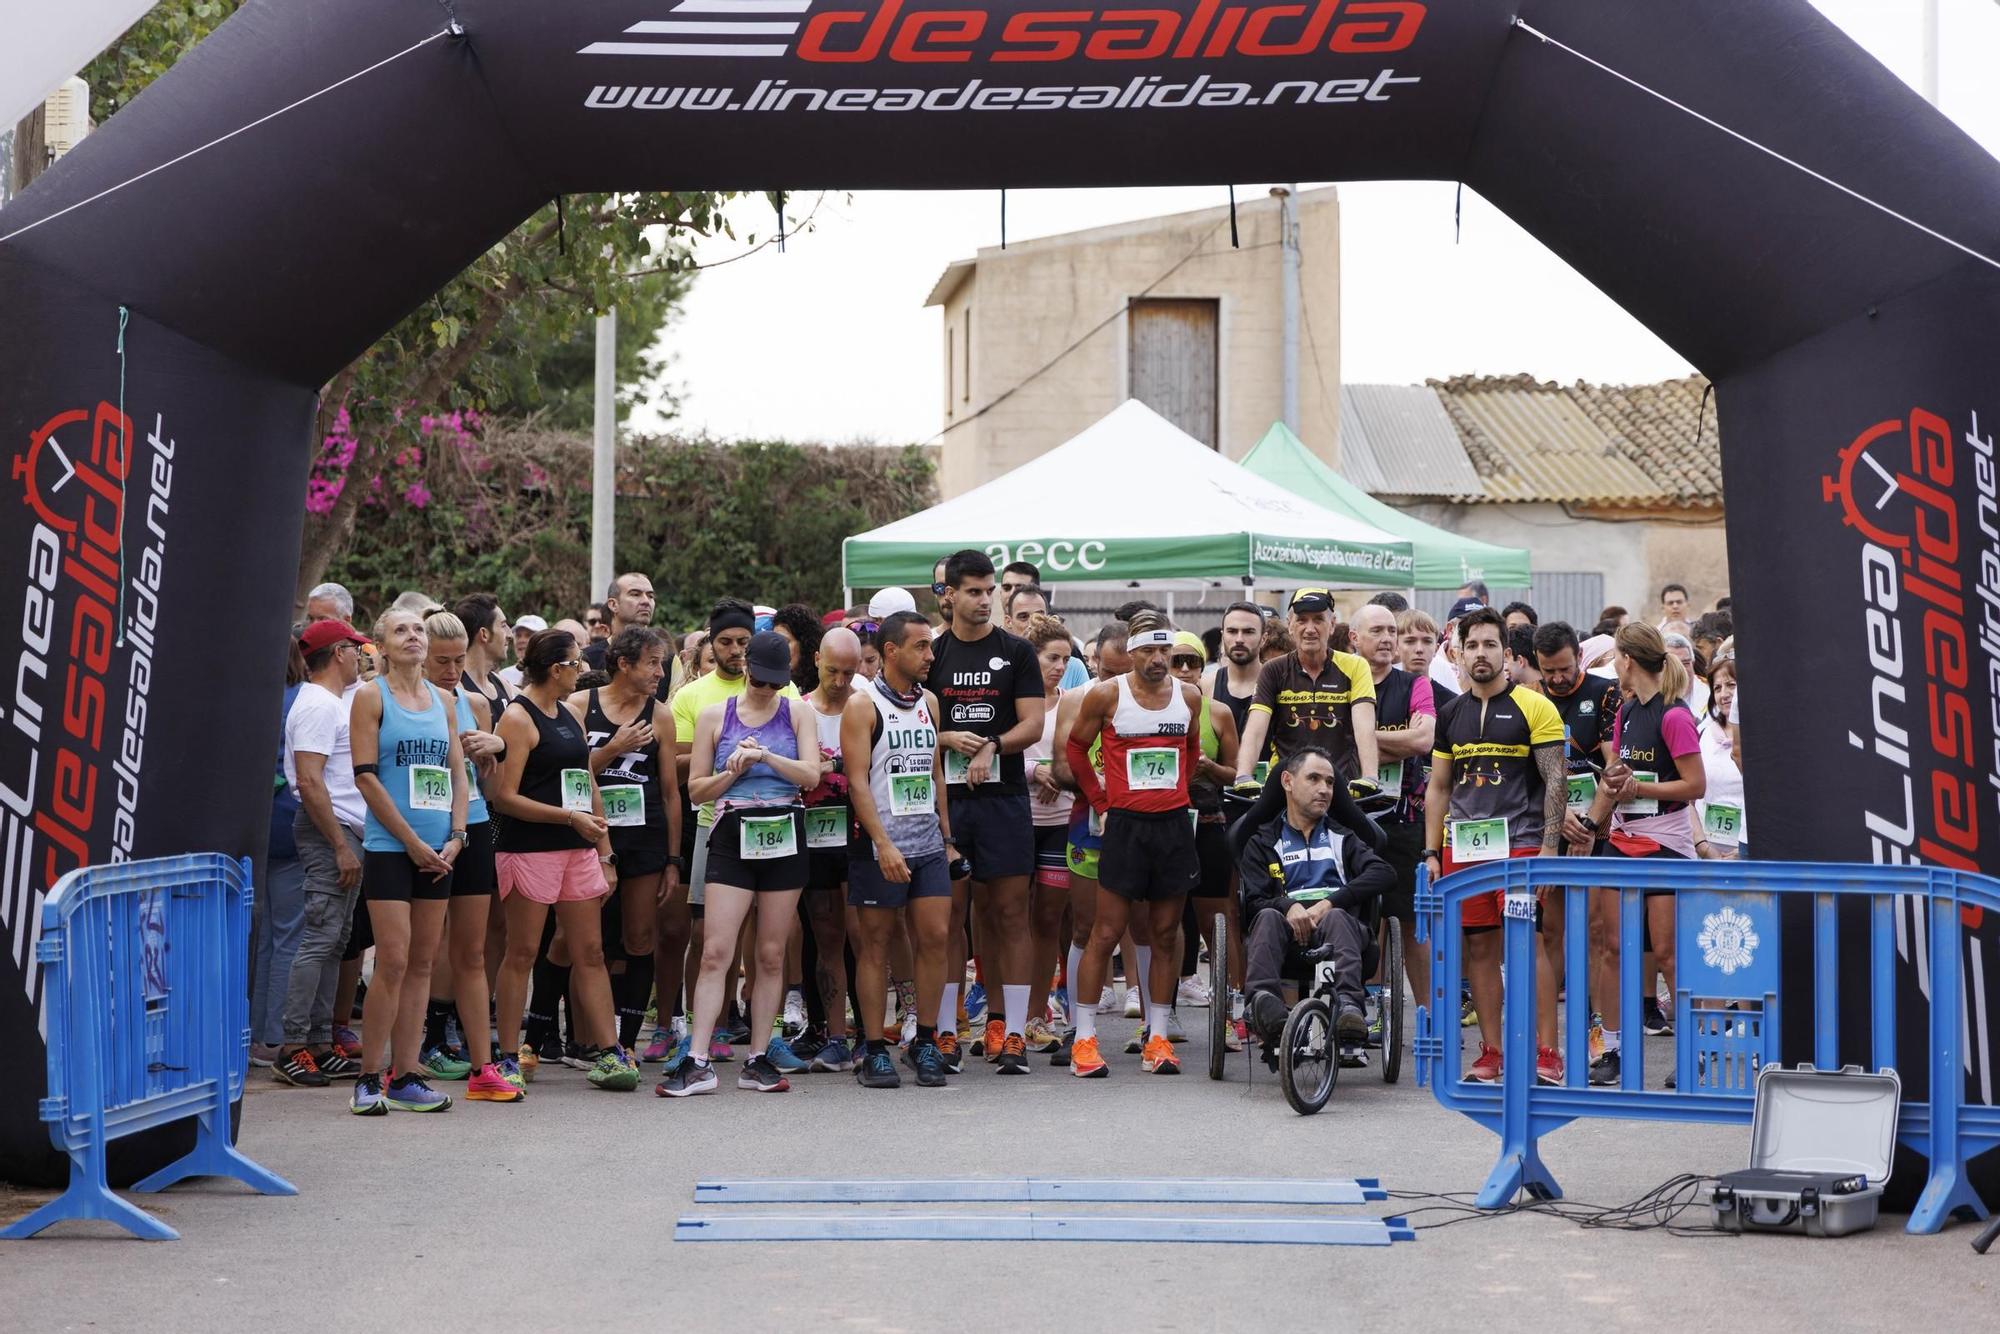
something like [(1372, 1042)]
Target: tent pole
[(1170, 604)]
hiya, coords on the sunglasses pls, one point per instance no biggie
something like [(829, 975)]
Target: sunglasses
[(865, 627), (940, 588), (574, 664)]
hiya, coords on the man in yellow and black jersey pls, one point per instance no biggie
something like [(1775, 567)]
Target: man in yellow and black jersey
[(1314, 696), (1496, 791)]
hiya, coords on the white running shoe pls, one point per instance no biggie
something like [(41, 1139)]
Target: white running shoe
[(1193, 992), (1133, 1009), (1108, 1002), (795, 1012), (909, 1028), (1175, 1033)]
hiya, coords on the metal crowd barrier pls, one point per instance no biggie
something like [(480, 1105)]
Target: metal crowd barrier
[(1726, 1003), (147, 985)]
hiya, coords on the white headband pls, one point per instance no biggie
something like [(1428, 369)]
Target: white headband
[(1151, 639)]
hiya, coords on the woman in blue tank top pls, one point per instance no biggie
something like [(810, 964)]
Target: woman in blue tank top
[(745, 759), (410, 768)]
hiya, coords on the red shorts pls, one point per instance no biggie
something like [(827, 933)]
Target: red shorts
[(550, 877), (1484, 910)]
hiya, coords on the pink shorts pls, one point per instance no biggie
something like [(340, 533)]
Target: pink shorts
[(552, 877)]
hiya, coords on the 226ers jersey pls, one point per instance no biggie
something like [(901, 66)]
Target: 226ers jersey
[(1149, 753), (1491, 747)]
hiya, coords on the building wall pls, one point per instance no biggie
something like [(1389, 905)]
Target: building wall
[(1026, 305), (1635, 556)]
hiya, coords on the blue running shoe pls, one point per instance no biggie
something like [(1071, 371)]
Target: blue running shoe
[(784, 1058), (975, 1004), (409, 1093), (834, 1055), (367, 1099)]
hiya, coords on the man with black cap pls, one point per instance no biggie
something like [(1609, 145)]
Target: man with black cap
[(327, 829), (1314, 696)]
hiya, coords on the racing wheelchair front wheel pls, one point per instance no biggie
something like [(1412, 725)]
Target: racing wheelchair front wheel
[(1308, 1058), (1218, 998), (1392, 1000)]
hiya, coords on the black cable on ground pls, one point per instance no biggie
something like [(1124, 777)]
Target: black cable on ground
[(1658, 1209)]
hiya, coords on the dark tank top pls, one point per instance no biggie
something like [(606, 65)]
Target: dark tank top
[(559, 745)]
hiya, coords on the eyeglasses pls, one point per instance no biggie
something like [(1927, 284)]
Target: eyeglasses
[(574, 664)]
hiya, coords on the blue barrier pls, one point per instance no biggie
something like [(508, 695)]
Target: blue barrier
[(1726, 1003), (147, 977)]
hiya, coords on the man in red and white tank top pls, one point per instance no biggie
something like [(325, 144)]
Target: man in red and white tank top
[(1151, 745)]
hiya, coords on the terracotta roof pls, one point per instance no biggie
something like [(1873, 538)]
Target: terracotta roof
[(1615, 445)]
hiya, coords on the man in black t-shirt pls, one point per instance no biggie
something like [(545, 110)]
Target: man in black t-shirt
[(989, 690), (630, 601)]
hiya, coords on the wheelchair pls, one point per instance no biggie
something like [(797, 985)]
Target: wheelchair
[(1309, 1057)]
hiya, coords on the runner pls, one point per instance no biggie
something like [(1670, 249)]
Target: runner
[(474, 878), (1212, 893), (1496, 791), (1086, 843), (554, 852), (1051, 804), (895, 775), (1235, 686), (630, 603), (319, 766), (632, 757), (1722, 813), (829, 834), (1313, 696), (1647, 800), (1406, 728), (990, 690), (410, 770), (1151, 746), (748, 763), (487, 638), (1588, 705)]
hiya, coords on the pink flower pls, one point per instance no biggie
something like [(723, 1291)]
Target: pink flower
[(417, 494)]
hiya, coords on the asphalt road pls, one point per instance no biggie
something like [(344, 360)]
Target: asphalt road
[(558, 1213)]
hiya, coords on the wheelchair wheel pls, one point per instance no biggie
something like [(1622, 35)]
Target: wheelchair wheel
[(1308, 1062), (1392, 1002), (1218, 998)]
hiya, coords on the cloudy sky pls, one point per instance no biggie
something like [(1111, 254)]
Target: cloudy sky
[(831, 341)]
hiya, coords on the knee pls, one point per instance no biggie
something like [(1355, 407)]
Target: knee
[(639, 940), (717, 953), (391, 961), (586, 953)]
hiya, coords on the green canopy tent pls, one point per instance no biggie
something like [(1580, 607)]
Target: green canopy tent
[(1443, 559)]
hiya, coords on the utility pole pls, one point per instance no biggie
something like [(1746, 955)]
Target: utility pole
[(604, 457), (1288, 225)]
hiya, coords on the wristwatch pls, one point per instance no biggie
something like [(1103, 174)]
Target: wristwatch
[(458, 834), (1433, 852), (677, 864), (610, 859)]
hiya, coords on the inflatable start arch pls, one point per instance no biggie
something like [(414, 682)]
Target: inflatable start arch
[(1742, 178)]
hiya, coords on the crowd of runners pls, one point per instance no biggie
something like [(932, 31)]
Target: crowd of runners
[(905, 844)]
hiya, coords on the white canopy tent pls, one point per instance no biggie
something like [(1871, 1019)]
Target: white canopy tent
[(43, 42), (1135, 502)]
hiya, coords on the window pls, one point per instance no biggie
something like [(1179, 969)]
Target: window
[(1173, 365)]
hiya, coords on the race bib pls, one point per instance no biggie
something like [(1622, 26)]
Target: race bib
[(1582, 791), (768, 836), (1262, 771), (624, 805), (1723, 824), (576, 790), (1478, 841), (826, 827), (1153, 769), (1390, 775), (956, 766), (1643, 805), (430, 787), (910, 794)]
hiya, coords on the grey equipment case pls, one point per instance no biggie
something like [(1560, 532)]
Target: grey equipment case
[(1820, 1145)]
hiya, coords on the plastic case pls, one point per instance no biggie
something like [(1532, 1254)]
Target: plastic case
[(1820, 1145)]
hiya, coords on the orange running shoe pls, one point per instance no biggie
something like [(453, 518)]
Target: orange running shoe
[(1084, 1062), (994, 1039), (947, 1041), (488, 1084), (1159, 1058)]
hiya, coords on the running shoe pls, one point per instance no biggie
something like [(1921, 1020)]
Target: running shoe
[(794, 1018), (489, 1083), (1656, 1023), (1234, 1034), (1040, 1037), (687, 1079), (1084, 1062), (550, 1049), (760, 1076), (1596, 1040), (300, 1070), (807, 1044), (1548, 1066), (1060, 1056), (1352, 1025), (442, 1063), (909, 1033), (990, 1044), (614, 1071), (367, 1099), (579, 1057), (1159, 1058), (660, 1051), (877, 1071), (510, 1070), (1133, 1007), (781, 1055), (976, 1010), (528, 1063), (335, 1066), (263, 1055), (1175, 1033), (1137, 1042), (1486, 1069), (1607, 1069), (1107, 1001), (347, 1042), (1191, 992), (737, 1030), (1059, 1007), (1467, 1016), (1013, 1055), (948, 1052), (410, 1092), (719, 1050), (835, 1054), (929, 1065)]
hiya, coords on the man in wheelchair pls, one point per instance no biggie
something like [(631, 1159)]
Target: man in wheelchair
[(1305, 878)]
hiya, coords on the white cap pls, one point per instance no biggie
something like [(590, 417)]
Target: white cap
[(532, 624), (890, 601)]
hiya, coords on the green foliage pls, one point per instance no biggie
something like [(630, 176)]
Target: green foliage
[(761, 520), (148, 49)]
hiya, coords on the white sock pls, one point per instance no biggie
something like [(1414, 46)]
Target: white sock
[(947, 1017), (1015, 998), (1144, 979), (1156, 1019), (1086, 1022), (1073, 974)]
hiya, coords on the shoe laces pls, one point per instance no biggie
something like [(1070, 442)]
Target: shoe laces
[(304, 1060), (1014, 1045)]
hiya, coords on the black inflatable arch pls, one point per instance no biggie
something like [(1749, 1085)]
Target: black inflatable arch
[(1854, 354)]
